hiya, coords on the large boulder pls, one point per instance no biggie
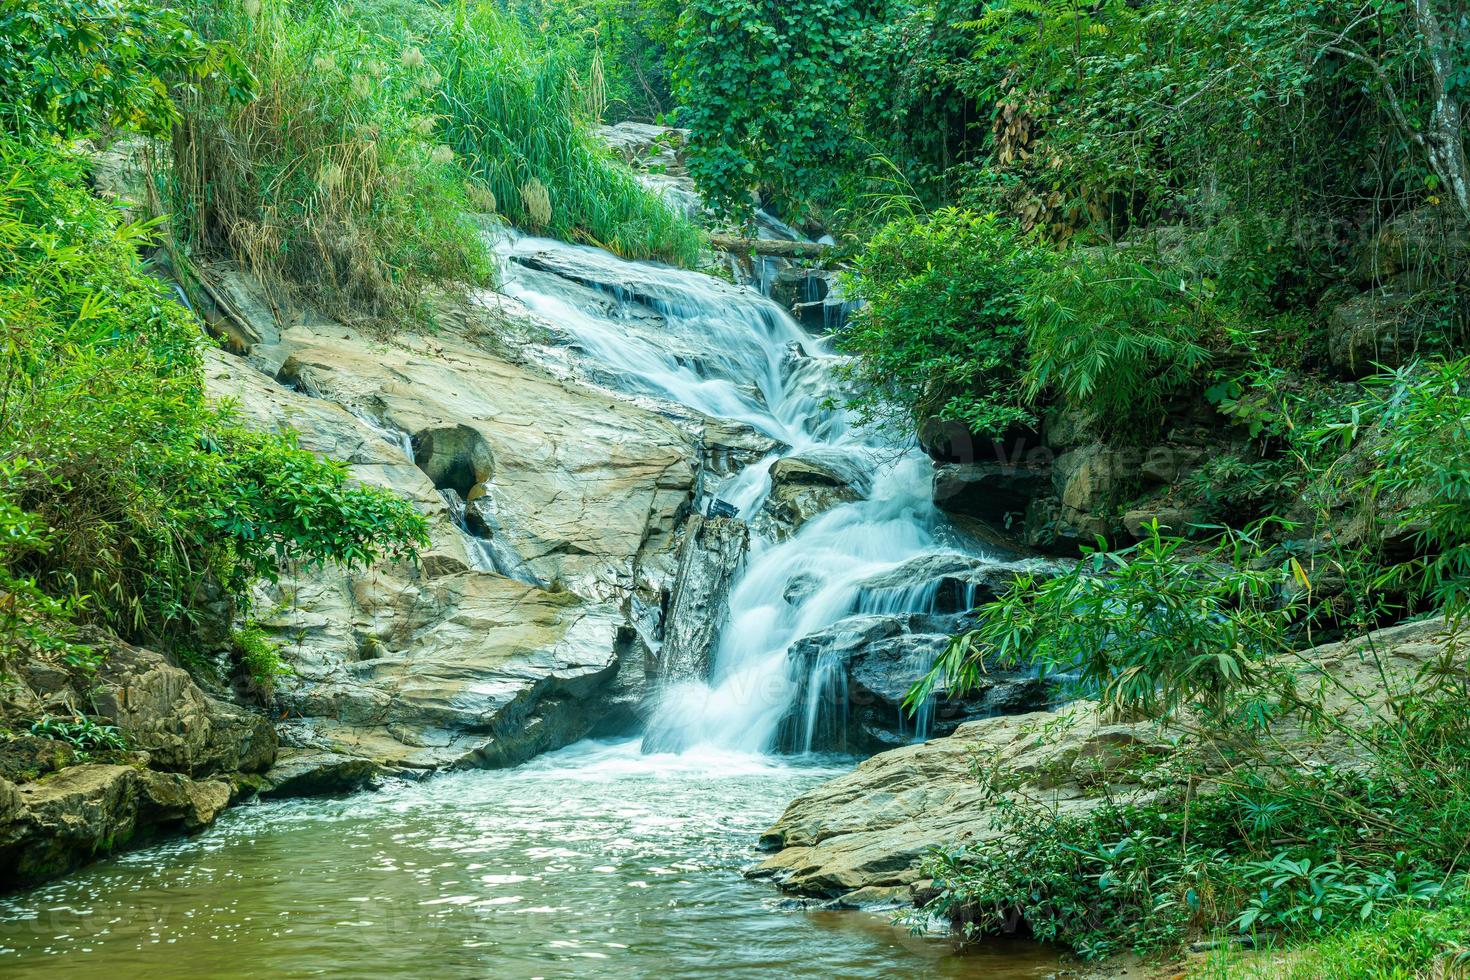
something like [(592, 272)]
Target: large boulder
[(159, 709), (997, 493), (1374, 330), (945, 583), (855, 675), (811, 483), (710, 561), (313, 772), (1420, 248), (53, 825)]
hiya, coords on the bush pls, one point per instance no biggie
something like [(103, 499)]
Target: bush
[(330, 182), (127, 500), (75, 66), (940, 334), (1143, 629), (1117, 338)]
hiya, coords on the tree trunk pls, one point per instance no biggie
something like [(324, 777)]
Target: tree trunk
[(1443, 139), (769, 246)]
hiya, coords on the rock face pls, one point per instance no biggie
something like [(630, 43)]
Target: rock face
[(997, 493), (579, 492), (710, 561), (185, 750), (856, 674), (1373, 330), (864, 835), (161, 711)]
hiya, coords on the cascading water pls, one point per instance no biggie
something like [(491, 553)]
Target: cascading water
[(598, 860), (733, 354)]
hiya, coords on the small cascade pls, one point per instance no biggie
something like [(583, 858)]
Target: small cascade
[(732, 354), (482, 559)]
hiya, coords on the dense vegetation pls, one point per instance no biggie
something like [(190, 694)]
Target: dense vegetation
[(128, 501), (1125, 219), (336, 150)]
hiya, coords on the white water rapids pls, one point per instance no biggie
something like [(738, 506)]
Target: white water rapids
[(731, 353)]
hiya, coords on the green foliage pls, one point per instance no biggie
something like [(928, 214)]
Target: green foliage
[(1117, 338), (761, 86), (520, 116), (258, 657), (1423, 415), (329, 183), (81, 733), (1241, 831), (1140, 629), (939, 334), (629, 43), (127, 500), (70, 67), (1409, 942)]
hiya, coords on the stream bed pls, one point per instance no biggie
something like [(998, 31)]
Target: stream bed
[(595, 861)]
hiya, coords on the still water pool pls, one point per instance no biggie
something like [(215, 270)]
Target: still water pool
[(595, 861)]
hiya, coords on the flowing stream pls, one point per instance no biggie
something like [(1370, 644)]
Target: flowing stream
[(615, 859)]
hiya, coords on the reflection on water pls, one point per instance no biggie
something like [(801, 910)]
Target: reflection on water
[(595, 861)]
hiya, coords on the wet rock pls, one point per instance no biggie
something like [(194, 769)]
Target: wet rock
[(808, 484), (856, 674), (946, 583), (997, 493), (307, 772), (710, 561)]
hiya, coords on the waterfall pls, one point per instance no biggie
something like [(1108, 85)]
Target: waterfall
[(729, 352)]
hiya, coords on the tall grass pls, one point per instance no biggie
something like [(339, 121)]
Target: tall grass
[(330, 183), (520, 115)]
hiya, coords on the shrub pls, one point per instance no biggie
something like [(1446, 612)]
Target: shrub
[(940, 334), (1143, 629), (82, 734), (127, 500), (74, 66), (1117, 338), (329, 183)]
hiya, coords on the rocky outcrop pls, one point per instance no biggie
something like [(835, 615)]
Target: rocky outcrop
[(184, 749), (55, 824), (312, 772), (710, 561), (946, 583), (808, 484), (161, 711), (997, 493), (862, 837), (856, 674), (577, 492)]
